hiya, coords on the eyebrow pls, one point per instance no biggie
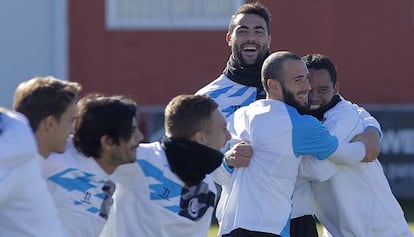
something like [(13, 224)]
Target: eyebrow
[(297, 77), (245, 27)]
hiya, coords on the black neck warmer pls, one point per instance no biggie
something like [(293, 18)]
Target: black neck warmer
[(246, 75), (319, 112), (189, 160)]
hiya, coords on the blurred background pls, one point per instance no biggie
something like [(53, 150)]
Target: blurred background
[(152, 50)]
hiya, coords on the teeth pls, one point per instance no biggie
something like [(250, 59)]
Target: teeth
[(250, 48), (314, 106), (303, 97)]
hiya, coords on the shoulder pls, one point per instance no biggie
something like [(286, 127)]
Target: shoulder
[(344, 109), (302, 121), (15, 123), (343, 113), (17, 141), (57, 163), (147, 150), (149, 156), (220, 83), (70, 159), (225, 89), (267, 106), (263, 112), (253, 111), (147, 153), (343, 120)]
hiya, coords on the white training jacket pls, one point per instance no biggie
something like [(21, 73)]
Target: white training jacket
[(76, 183), (229, 95), (303, 199), (259, 196), (150, 200), (352, 200), (26, 207)]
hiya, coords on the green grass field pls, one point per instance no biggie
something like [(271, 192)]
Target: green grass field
[(406, 204), (213, 230)]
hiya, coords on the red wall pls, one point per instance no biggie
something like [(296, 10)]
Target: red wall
[(371, 42)]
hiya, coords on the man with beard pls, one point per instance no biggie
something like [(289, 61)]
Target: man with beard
[(353, 199), (105, 136), (258, 202), (248, 37)]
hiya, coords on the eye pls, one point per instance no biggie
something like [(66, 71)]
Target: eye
[(259, 32), (323, 90), (241, 31)]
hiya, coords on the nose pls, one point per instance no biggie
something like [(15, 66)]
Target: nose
[(228, 135), (306, 85), (139, 136), (312, 94), (251, 37)]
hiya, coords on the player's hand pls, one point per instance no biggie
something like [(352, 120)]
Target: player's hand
[(239, 155), (370, 138)]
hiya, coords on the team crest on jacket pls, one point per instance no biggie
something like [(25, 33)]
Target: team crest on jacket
[(195, 201)]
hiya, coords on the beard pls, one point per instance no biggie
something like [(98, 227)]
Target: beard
[(261, 56), (289, 98)]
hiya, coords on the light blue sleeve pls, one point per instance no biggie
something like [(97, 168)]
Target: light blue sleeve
[(310, 137)]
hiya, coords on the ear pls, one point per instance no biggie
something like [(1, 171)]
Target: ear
[(336, 88), (199, 137), (273, 84), (48, 123), (228, 38), (106, 143)]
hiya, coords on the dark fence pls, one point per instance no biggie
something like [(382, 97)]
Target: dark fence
[(397, 147)]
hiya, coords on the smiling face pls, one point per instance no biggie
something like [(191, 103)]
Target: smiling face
[(125, 152), (295, 83), (249, 40), (323, 88)]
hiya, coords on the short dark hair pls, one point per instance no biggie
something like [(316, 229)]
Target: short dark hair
[(187, 114), (318, 62), (41, 97), (98, 115), (251, 8), (273, 66)]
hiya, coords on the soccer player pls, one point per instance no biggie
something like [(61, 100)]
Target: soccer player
[(105, 136), (259, 199), (26, 207), (353, 199), (168, 192)]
